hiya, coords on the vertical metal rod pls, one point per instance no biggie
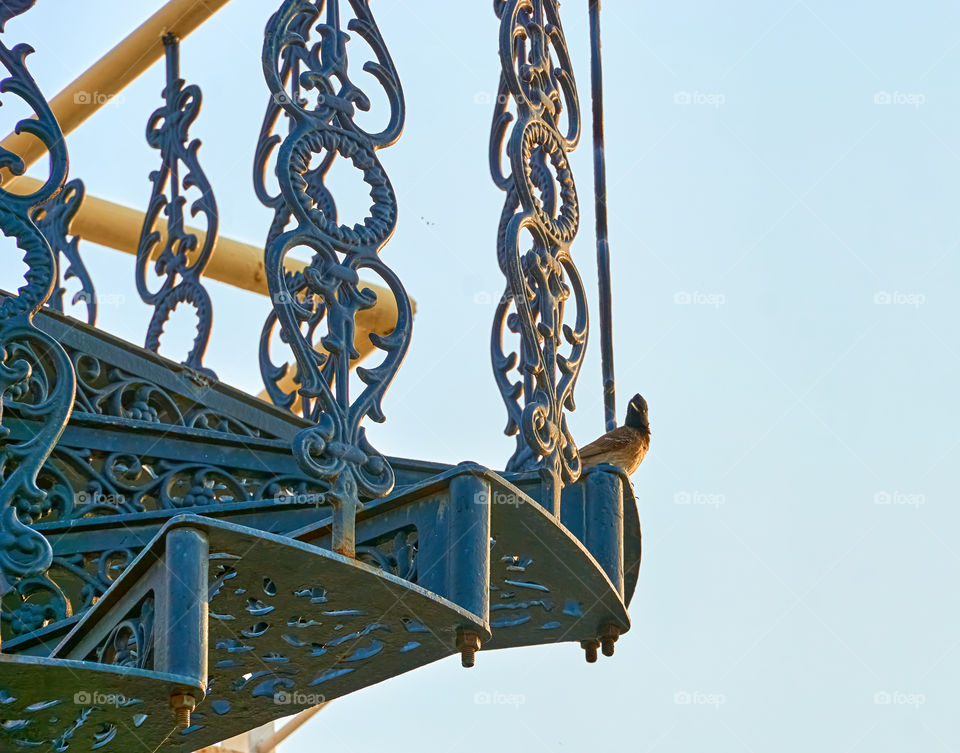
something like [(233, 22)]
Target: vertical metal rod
[(171, 45), (603, 245)]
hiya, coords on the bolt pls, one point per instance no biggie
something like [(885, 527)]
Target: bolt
[(182, 704), (608, 636), (468, 643), (590, 649)]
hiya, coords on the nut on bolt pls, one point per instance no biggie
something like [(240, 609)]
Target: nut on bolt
[(608, 636), (590, 649), (468, 643), (183, 705)]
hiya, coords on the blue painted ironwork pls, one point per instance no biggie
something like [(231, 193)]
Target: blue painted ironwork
[(53, 219), (180, 261), (603, 241), (136, 504), (541, 206), (316, 311), (290, 624), (36, 377)]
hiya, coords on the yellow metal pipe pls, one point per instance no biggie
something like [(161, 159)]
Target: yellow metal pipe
[(118, 227), (114, 71), (269, 745)]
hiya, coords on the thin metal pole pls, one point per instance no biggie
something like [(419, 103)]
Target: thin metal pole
[(603, 245)]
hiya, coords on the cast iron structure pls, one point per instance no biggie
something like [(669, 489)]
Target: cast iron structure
[(327, 295), (541, 209), (179, 261), (182, 562)]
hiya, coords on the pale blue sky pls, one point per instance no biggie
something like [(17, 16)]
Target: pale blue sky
[(787, 398)]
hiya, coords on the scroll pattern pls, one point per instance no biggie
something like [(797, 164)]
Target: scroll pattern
[(180, 260), (541, 213), (53, 219), (316, 309), (36, 376)]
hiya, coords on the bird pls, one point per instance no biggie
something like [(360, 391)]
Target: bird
[(625, 446)]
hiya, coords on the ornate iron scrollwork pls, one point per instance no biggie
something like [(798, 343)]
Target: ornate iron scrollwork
[(326, 297), (542, 205), (53, 219), (130, 643), (179, 261), (37, 381)]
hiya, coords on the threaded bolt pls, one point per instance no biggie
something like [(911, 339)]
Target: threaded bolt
[(590, 650), (609, 634), (468, 643), (183, 705)]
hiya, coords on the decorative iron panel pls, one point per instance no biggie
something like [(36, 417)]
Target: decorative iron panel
[(316, 310), (537, 379), (36, 376), (179, 261), (53, 219)]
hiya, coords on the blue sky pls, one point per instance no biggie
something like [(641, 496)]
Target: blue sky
[(783, 183)]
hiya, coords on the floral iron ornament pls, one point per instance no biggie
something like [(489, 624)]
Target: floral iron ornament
[(316, 310), (53, 218), (37, 381), (179, 260), (537, 383)]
